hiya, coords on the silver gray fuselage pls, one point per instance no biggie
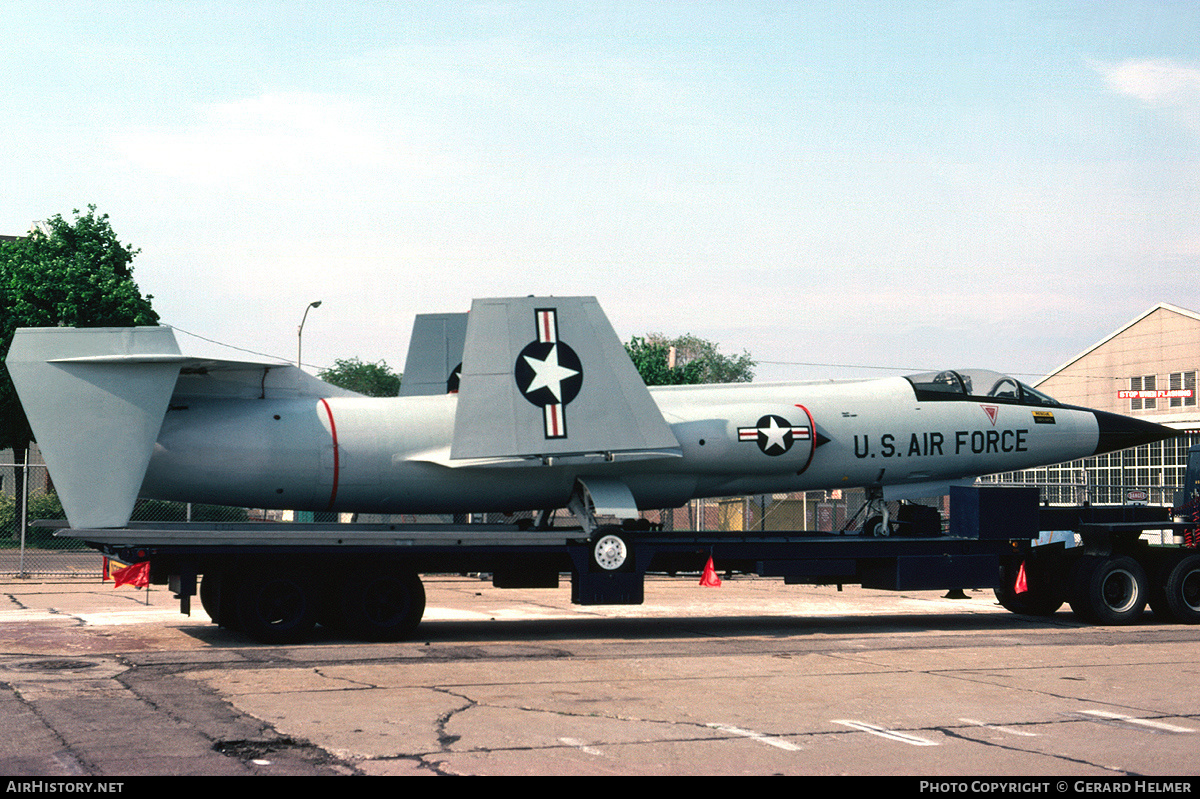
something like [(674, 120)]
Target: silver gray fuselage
[(391, 455)]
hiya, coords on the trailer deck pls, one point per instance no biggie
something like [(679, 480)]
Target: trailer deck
[(276, 580)]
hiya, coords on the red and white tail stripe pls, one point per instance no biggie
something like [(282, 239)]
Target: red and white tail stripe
[(556, 421), (547, 325)]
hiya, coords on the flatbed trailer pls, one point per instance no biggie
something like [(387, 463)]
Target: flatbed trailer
[(275, 581)]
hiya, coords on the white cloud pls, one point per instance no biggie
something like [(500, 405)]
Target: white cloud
[(1158, 82), (267, 139)]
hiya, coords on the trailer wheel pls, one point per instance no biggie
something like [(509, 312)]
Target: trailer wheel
[(1182, 590), (610, 552), (381, 604), (216, 599), (1108, 590), (276, 606), (1043, 598)]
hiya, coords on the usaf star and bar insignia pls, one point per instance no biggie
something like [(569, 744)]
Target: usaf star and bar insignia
[(548, 373), (774, 434)]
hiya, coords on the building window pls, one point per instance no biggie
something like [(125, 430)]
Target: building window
[(1183, 389), (1142, 393)]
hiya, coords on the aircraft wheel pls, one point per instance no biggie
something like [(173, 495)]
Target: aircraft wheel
[(1108, 590), (1182, 590), (381, 604), (876, 528), (1043, 598), (610, 552), (276, 606)]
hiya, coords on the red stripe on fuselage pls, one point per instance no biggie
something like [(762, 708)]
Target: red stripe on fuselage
[(333, 434), (811, 437)]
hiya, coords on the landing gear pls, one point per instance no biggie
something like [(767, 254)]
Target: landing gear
[(879, 521), (877, 526)]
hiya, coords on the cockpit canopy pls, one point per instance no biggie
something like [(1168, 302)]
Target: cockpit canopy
[(975, 384)]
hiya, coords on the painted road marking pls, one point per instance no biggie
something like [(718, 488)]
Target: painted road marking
[(1008, 730), (885, 733), (762, 738), (582, 747), (1162, 726)]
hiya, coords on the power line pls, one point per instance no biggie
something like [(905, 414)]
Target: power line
[(233, 347)]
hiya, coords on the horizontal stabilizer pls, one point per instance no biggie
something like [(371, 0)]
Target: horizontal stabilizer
[(547, 376), (217, 379), (95, 400)]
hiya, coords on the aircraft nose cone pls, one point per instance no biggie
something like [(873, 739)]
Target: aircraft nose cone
[(1119, 432)]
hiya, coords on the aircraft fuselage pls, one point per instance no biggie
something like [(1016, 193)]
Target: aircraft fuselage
[(388, 455)]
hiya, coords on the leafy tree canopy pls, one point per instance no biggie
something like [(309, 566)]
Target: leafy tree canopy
[(72, 273), (696, 361), (372, 379)]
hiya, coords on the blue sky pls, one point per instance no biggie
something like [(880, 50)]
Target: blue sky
[(901, 185)]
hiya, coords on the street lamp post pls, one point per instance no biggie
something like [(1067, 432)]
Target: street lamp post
[(300, 330)]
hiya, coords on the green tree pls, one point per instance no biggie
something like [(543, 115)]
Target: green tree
[(72, 273), (372, 379), (696, 361)]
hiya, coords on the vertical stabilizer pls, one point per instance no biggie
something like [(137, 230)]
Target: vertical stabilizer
[(95, 399), (545, 376), (435, 354)]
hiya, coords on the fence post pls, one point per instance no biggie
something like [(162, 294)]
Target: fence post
[(24, 515)]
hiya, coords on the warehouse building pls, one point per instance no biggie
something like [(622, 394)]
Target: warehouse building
[(1147, 369)]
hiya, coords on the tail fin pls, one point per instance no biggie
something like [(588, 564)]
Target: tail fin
[(435, 354), (95, 399), (547, 376)]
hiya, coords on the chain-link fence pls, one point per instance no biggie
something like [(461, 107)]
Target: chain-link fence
[(31, 514), (27, 549)]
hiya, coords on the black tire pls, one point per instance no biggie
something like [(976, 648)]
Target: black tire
[(1044, 597), (380, 604), (875, 527), (276, 606), (1108, 590), (1181, 591), (1157, 601), (216, 599)]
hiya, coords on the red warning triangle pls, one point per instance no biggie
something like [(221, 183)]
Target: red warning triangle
[(991, 411)]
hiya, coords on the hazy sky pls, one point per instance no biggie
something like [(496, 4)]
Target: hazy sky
[(912, 185)]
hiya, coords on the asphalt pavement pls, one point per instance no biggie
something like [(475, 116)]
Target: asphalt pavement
[(752, 678)]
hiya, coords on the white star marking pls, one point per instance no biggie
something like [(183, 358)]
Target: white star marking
[(548, 374), (774, 434)]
